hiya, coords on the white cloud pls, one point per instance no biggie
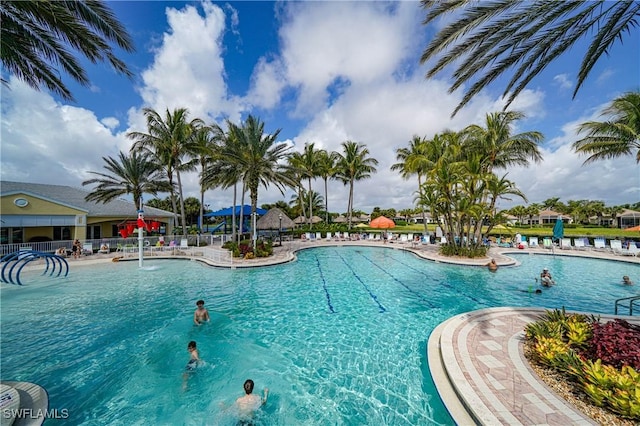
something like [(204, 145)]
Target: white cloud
[(563, 81)]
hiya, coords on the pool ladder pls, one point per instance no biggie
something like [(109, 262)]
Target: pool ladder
[(631, 300)]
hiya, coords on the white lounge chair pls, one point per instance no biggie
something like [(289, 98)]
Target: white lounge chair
[(599, 244), (328, 236), (565, 243), (87, 249), (547, 243), (533, 242), (318, 236), (184, 245), (578, 244), (104, 248), (632, 250), (403, 238), (616, 246)]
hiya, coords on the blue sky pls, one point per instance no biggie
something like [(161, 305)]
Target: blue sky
[(323, 72)]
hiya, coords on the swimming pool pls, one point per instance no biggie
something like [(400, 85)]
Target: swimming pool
[(339, 336)]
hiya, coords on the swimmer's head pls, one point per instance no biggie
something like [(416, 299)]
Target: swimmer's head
[(248, 386), (200, 303), (191, 345), (538, 291)]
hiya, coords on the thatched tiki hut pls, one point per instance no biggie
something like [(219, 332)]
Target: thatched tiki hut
[(275, 220)]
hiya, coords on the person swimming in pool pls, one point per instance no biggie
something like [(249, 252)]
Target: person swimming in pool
[(249, 403), (493, 266), (546, 279), (201, 314), (626, 280), (194, 360)]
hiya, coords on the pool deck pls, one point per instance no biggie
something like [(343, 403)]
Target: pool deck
[(476, 359)]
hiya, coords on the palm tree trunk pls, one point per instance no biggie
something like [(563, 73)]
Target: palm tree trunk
[(424, 216), (233, 212), (310, 205), (326, 202), (350, 203), (182, 216), (201, 210)]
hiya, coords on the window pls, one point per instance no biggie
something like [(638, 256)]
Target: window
[(61, 233), (11, 235), (94, 232)]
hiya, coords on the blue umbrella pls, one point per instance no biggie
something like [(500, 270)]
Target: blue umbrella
[(558, 229)]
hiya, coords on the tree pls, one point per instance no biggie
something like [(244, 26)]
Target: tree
[(36, 37), (616, 137), (258, 158), (170, 141), (132, 174), (354, 165), (414, 160), (206, 147), (327, 170), (488, 39)]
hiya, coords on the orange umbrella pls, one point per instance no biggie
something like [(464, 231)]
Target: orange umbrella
[(635, 228), (382, 223)]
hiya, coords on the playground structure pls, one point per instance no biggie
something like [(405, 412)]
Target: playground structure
[(19, 259)]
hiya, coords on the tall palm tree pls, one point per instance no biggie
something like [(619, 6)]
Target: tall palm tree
[(259, 158), (133, 174), (489, 39), (354, 164), (617, 137), (170, 141), (414, 160), (37, 36), (205, 141), (308, 165), (500, 147), (327, 170)]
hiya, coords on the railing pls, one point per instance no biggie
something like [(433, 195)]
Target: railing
[(631, 301), (52, 246)]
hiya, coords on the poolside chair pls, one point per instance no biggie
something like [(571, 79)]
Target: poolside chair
[(345, 236), (328, 236), (547, 243), (632, 250), (565, 244), (104, 248), (184, 245), (533, 242), (318, 236), (578, 244), (599, 244), (403, 239), (616, 246), (307, 236), (87, 249)]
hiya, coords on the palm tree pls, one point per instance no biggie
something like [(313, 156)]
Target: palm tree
[(170, 142), (489, 39), (37, 36), (414, 160), (617, 137), (308, 166), (205, 141), (354, 165), (498, 145), (133, 174), (327, 170), (258, 158)]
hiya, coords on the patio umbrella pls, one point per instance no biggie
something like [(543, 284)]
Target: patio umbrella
[(382, 222), (558, 229)]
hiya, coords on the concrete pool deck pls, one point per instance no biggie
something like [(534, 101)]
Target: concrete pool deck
[(476, 359)]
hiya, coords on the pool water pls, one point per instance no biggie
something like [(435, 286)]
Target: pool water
[(338, 336)]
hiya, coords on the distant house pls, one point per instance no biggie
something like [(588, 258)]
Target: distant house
[(548, 216), (39, 212), (628, 218), (417, 218)]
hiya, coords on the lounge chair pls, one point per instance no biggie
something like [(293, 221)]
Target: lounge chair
[(184, 245), (565, 244), (632, 250), (104, 248), (616, 246), (403, 238), (318, 236), (547, 243), (578, 244), (345, 236), (599, 244), (328, 236), (533, 242), (87, 249)]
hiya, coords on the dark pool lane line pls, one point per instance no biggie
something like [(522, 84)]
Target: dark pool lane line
[(444, 283), (420, 296), (324, 286), (373, 296)]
